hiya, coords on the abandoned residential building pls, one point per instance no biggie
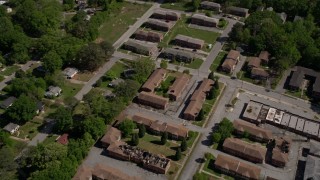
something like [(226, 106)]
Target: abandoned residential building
[(166, 15), (140, 47), (238, 11), (197, 99), (264, 56), (301, 75), (176, 132), (256, 133), (148, 36), (253, 62), (210, 6), (153, 100), (259, 73), (155, 163), (112, 135), (176, 89), (188, 42), (159, 25), (203, 20), (231, 61), (154, 80), (178, 55), (237, 168), (251, 152)]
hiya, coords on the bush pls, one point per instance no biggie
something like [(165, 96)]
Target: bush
[(209, 14), (164, 64), (142, 131), (216, 137), (184, 145), (186, 71), (164, 138), (178, 154), (208, 156)]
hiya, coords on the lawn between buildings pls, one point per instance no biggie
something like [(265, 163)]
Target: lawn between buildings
[(119, 20), (153, 144), (218, 61)]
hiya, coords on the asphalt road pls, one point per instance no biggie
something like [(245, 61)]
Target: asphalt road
[(24, 67)]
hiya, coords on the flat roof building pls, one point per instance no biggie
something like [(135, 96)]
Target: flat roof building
[(293, 122), (285, 119), (311, 128), (252, 111), (300, 124)]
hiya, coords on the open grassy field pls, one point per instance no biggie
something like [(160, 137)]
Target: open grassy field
[(164, 87), (120, 19), (195, 64), (218, 61), (69, 89), (115, 71), (181, 6), (9, 70), (181, 27), (30, 128)]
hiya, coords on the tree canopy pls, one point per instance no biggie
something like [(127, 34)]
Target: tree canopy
[(63, 118), (22, 110)]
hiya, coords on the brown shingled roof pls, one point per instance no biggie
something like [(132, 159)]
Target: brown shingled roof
[(179, 84), (158, 126), (154, 80), (279, 156), (233, 54), (254, 62), (228, 63), (264, 55), (142, 119), (247, 149), (112, 135), (252, 129), (153, 98), (237, 167), (259, 72), (177, 130), (83, 173)]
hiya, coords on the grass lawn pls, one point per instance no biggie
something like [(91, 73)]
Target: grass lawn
[(1, 78), (120, 19), (298, 94), (116, 71), (50, 139), (69, 89), (191, 140), (30, 128), (194, 64), (172, 172), (85, 76), (208, 166), (164, 87), (181, 6), (17, 146), (218, 61), (9, 70), (245, 76), (181, 27)]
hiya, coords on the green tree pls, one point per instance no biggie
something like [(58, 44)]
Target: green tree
[(164, 138), (183, 145), (126, 127), (90, 57), (127, 89), (225, 128), (142, 130), (143, 69), (7, 164), (212, 93), (52, 62), (178, 154), (246, 134), (196, 4), (211, 76), (63, 118), (216, 84), (216, 137), (164, 64), (200, 116), (68, 4), (135, 139), (93, 125), (20, 74), (5, 138), (22, 110)]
